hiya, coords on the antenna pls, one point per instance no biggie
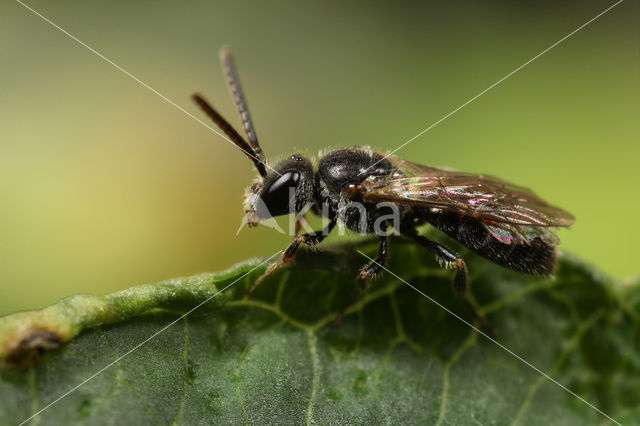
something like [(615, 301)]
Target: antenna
[(226, 55), (224, 125)]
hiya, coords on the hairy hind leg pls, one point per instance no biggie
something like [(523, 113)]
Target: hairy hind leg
[(449, 259)]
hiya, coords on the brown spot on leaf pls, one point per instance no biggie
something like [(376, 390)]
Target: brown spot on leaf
[(31, 348)]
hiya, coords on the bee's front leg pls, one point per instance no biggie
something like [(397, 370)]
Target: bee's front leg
[(310, 239)]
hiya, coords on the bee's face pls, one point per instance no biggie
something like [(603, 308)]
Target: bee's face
[(284, 190)]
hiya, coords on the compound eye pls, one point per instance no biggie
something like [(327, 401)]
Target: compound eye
[(276, 197)]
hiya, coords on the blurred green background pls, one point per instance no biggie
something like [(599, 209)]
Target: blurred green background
[(104, 185)]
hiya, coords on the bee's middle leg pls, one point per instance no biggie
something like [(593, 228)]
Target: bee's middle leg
[(364, 277), (376, 265)]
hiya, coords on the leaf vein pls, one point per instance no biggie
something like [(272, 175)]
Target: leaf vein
[(468, 343), (582, 329), (185, 357), (315, 362)]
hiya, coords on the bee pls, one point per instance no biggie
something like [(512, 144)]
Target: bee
[(505, 223)]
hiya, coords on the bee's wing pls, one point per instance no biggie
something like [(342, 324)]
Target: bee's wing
[(411, 169), (498, 204)]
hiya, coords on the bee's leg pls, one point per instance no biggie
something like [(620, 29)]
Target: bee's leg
[(375, 266), (449, 259), (310, 239), (298, 226), (366, 273)]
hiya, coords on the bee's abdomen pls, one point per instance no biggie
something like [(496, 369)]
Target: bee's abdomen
[(534, 256)]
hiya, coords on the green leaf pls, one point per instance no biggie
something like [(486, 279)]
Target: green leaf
[(276, 357)]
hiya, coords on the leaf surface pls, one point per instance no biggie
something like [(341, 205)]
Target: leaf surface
[(276, 357)]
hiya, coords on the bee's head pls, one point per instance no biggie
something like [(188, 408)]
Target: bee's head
[(283, 190)]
